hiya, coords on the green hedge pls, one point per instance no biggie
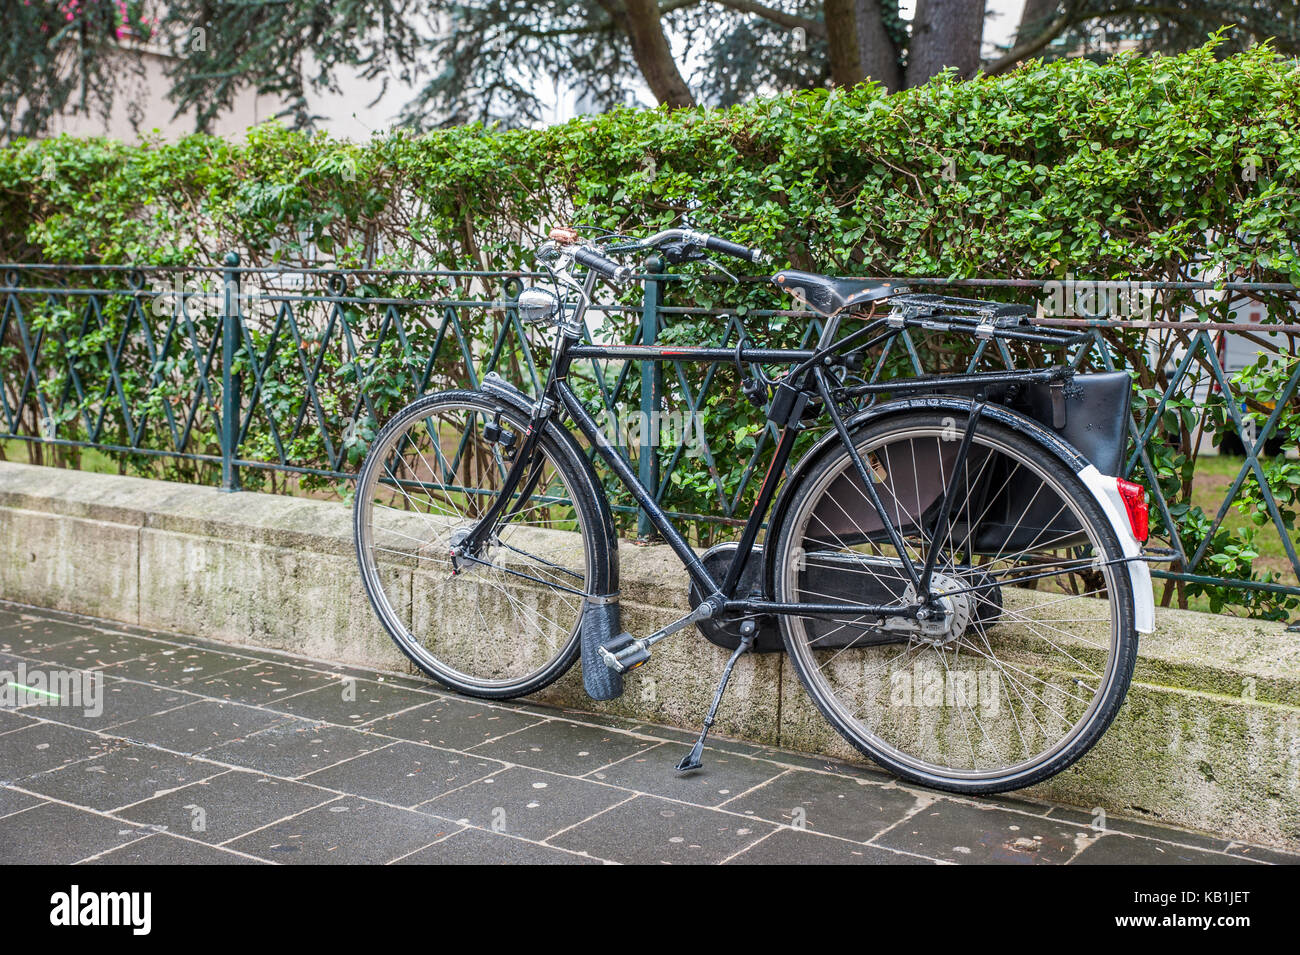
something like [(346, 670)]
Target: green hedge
[(1143, 168), (1130, 169)]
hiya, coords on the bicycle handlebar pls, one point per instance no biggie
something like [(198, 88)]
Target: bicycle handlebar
[(714, 244), (703, 239), (599, 263), (595, 260)]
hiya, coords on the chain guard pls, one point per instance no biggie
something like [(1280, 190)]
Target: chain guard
[(724, 630), (836, 576)]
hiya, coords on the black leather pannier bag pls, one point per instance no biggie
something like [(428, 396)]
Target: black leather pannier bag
[(1096, 413), (1091, 413)]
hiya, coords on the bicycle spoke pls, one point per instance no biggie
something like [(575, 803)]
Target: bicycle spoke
[(496, 618), (1003, 670)]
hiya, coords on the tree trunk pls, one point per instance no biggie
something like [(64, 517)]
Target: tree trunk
[(860, 47), (842, 42), (641, 21), (876, 47), (945, 33)]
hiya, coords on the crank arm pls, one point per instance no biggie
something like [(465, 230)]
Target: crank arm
[(629, 653)]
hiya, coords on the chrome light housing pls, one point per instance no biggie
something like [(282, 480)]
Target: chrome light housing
[(548, 251), (538, 305)]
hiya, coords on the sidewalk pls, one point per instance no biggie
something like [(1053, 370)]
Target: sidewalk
[(204, 754)]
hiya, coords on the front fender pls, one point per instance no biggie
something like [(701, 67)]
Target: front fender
[(605, 578)]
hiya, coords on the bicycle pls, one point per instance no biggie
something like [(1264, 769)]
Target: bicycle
[(959, 588)]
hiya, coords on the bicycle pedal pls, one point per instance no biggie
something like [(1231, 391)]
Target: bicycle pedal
[(624, 652)]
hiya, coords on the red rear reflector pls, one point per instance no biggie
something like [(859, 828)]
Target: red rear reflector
[(1135, 502)]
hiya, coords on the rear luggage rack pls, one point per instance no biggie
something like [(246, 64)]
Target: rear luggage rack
[(984, 320)]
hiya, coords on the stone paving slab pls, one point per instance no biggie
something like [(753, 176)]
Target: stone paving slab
[(405, 774), (563, 747), (178, 667), (784, 845), (524, 802), (295, 748), (225, 806), (648, 830), (164, 849), (724, 776), (32, 635), (262, 683), (98, 651), (40, 746), (203, 756), (11, 721), (850, 808), (55, 834), (120, 778), (453, 723), (962, 832), (198, 726), (124, 701), (350, 701), (348, 830)]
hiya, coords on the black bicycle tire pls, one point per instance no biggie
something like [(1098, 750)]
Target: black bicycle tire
[(574, 477), (1126, 651)]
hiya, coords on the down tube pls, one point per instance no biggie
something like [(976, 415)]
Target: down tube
[(623, 471)]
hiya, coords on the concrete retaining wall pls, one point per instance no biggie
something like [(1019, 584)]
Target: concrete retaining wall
[(1209, 737)]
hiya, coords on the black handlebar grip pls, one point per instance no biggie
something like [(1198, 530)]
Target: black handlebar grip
[(606, 267), (714, 244)]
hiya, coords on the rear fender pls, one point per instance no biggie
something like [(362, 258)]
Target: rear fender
[(1103, 488)]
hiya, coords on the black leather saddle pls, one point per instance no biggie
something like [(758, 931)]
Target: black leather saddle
[(828, 295)]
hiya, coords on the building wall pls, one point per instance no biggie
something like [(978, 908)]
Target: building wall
[(140, 105)]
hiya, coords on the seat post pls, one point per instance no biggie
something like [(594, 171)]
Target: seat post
[(829, 331)]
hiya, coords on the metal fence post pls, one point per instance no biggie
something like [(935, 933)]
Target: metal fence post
[(230, 383), (651, 389)]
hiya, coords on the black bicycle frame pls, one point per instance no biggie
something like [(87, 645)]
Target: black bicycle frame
[(807, 380)]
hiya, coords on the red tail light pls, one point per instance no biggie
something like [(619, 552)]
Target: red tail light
[(1135, 502)]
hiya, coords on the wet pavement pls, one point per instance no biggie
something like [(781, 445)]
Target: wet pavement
[(122, 746)]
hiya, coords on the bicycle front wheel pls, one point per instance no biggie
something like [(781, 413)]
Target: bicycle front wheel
[(1029, 645), (505, 622)]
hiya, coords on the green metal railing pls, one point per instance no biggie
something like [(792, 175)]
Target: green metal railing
[(232, 372)]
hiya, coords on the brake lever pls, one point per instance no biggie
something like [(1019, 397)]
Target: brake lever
[(559, 269), (721, 268)]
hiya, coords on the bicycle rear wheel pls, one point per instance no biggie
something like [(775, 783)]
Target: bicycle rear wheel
[(505, 622), (1030, 645)]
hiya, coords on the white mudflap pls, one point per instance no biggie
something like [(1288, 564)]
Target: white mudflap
[(1105, 489)]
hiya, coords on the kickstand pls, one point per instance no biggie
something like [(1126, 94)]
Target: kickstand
[(691, 761)]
